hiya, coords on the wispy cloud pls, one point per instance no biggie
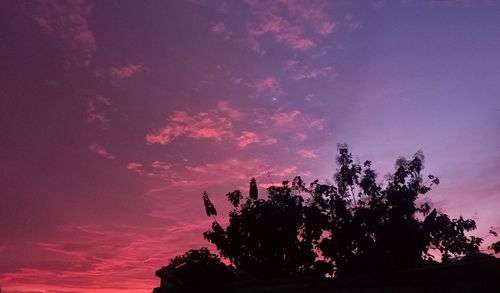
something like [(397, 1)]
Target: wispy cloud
[(299, 136), (313, 13), (285, 117), (218, 124), (101, 151), (89, 256), (94, 115), (290, 22), (301, 72), (159, 169), (247, 137), (205, 125), (136, 167), (309, 154), (219, 28), (235, 171), (267, 84), (67, 20), (296, 121), (284, 32), (97, 107), (126, 71), (225, 108)]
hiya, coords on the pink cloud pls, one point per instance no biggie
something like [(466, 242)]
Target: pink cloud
[(218, 28), (255, 46), (215, 124), (299, 136), (313, 13), (284, 32), (67, 20), (285, 117), (267, 84), (290, 63), (101, 151), (160, 166), (291, 22), (295, 122), (104, 100), (300, 72), (267, 185), (159, 169), (270, 140), (318, 124), (136, 167), (247, 137), (224, 107), (88, 258), (310, 154), (94, 115), (205, 125), (126, 71), (235, 172), (229, 173), (327, 71), (285, 171), (97, 107)]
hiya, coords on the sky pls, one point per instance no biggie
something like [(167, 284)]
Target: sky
[(116, 115)]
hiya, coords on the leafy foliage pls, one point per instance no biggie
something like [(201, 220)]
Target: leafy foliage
[(254, 191), (355, 225), (269, 238), (234, 197), (380, 227), (196, 268), (495, 246), (197, 256), (209, 207)]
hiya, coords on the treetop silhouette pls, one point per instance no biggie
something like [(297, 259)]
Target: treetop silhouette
[(354, 225), (194, 268)]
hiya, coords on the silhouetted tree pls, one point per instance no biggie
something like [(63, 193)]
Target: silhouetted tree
[(373, 227), (269, 237), (495, 246), (198, 256), (234, 197), (253, 191), (209, 207), (354, 225), (196, 268)]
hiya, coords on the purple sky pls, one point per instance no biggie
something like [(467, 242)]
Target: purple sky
[(116, 115)]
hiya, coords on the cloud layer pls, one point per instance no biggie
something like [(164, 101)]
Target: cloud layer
[(120, 113)]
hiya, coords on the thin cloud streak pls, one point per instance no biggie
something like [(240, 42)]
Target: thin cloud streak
[(67, 20), (120, 113), (101, 151), (126, 71)]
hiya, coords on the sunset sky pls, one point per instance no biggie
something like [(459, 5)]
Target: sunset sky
[(116, 115)]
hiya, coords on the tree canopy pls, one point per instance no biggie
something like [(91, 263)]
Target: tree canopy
[(196, 256), (268, 237), (355, 224)]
